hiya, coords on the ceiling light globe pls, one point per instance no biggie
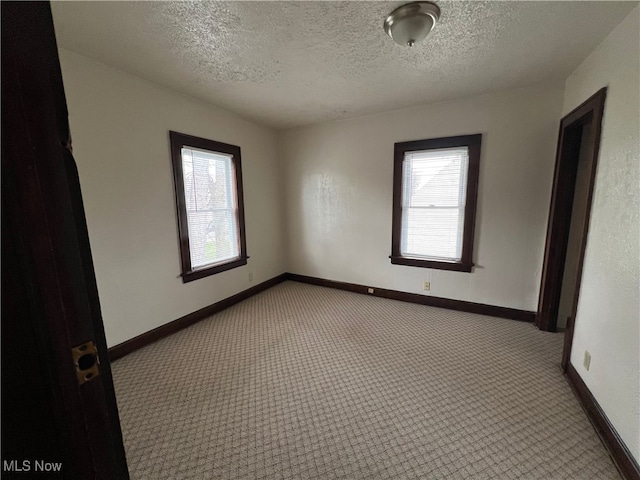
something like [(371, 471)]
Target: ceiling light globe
[(411, 23)]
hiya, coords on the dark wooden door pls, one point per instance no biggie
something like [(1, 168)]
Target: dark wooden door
[(59, 413)]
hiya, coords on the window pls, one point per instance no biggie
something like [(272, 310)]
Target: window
[(435, 188), (208, 187)]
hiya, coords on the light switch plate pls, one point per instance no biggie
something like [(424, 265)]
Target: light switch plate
[(587, 360)]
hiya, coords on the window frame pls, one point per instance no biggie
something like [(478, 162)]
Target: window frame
[(178, 141), (473, 143)]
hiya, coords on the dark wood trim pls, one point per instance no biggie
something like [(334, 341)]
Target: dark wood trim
[(125, 348), (622, 457), (560, 209), (596, 104), (417, 262), (177, 141), (450, 304), (473, 142), (568, 338), (205, 272), (559, 227)]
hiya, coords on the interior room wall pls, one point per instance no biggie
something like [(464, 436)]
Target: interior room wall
[(608, 316), (339, 195), (120, 128)]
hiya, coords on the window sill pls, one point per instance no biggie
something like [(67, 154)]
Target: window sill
[(205, 272), (418, 262)]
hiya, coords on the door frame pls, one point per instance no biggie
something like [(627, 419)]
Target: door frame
[(560, 210)]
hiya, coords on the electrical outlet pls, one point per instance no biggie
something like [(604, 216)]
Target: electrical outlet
[(251, 276), (587, 360), (370, 290), (427, 286)]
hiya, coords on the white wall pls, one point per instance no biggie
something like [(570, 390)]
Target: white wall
[(339, 179), (120, 128), (608, 317)]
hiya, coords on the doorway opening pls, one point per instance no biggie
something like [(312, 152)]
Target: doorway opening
[(569, 215)]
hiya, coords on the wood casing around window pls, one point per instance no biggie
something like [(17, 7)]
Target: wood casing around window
[(473, 142), (179, 140)]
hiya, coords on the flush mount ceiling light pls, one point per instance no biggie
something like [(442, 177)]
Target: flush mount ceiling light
[(412, 22)]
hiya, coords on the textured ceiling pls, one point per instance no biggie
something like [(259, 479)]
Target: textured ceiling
[(286, 64)]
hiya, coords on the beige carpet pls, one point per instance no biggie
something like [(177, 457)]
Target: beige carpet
[(303, 382)]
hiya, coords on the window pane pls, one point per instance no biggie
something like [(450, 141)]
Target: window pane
[(433, 233), (433, 200), (211, 207)]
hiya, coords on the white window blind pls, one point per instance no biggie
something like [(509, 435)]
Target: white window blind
[(211, 204), (434, 186)]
